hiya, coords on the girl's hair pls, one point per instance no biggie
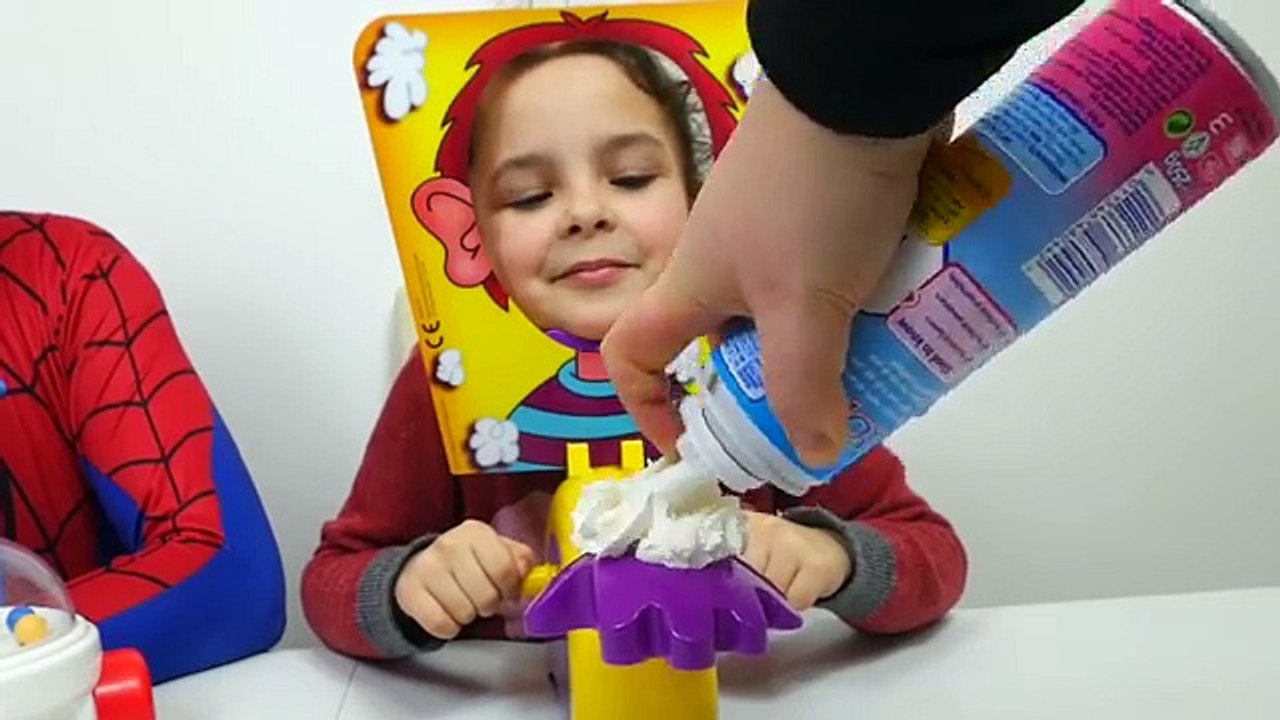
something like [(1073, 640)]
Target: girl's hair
[(665, 86)]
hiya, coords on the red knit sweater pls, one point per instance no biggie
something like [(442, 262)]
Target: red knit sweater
[(909, 565)]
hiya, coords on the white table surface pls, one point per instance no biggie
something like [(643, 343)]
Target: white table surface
[(1196, 656)]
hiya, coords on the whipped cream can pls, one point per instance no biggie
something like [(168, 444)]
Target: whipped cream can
[(1142, 114)]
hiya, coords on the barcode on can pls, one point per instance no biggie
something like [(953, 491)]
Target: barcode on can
[(1127, 218)]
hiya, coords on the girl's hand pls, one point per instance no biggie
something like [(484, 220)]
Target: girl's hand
[(806, 564), (463, 575)]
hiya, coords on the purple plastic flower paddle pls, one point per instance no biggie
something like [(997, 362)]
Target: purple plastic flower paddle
[(643, 610)]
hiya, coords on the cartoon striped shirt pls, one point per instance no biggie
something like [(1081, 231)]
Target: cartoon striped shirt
[(567, 408)]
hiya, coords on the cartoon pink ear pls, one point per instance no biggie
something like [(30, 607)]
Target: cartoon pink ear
[(444, 207)]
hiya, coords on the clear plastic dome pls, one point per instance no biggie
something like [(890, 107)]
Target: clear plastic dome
[(35, 607)]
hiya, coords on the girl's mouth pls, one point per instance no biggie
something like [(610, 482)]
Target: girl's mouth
[(595, 273)]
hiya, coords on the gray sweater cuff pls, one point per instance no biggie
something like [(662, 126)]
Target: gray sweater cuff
[(874, 564), (380, 619)]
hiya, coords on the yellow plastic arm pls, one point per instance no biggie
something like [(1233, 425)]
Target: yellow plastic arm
[(651, 690), (537, 580)]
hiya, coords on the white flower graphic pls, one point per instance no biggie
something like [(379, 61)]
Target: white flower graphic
[(396, 67), (495, 442), (746, 72), (449, 367)]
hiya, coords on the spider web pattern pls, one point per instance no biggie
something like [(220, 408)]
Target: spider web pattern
[(113, 427)]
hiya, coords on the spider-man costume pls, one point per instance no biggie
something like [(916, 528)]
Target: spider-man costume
[(115, 466)]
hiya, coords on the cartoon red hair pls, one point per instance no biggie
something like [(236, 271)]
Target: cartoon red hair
[(443, 204)]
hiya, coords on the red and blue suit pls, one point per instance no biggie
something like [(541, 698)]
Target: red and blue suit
[(115, 466)]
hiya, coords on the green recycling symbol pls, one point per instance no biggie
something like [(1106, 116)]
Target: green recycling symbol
[(1179, 124)]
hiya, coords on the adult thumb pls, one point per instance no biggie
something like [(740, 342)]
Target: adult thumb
[(803, 348)]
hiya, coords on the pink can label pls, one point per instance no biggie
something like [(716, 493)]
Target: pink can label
[(1150, 84), (1139, 117), (951, 325), (1123, 129)]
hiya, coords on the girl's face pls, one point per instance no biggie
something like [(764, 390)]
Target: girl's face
[(579, 192)]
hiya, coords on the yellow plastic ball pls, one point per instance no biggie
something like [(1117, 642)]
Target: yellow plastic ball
[(31, 630)]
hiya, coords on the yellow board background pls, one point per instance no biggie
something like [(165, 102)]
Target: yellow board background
[(505, 356)]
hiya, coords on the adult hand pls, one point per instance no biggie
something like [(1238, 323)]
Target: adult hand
[(794, 228)]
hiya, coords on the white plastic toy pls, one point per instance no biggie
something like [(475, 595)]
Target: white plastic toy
[(52, 666)]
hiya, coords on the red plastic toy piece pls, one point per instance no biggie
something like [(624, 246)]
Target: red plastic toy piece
[(124, 688)]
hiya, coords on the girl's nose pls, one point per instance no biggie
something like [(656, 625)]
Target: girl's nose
[(588, 215), (600, 224)]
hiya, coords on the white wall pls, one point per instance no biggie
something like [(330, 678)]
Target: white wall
[(1124, 447)]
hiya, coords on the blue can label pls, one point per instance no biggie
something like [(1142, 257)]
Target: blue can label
[(1127, 127), (741, 357)]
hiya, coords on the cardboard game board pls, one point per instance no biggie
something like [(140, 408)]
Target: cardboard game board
[(506, 392)]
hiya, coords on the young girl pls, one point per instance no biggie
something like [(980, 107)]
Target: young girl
[(582, 171)]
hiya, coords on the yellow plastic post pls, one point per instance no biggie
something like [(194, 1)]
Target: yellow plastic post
[(651, 690)]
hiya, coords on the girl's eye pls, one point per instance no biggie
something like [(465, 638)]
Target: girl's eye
[(530, 202), (633, 182)]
